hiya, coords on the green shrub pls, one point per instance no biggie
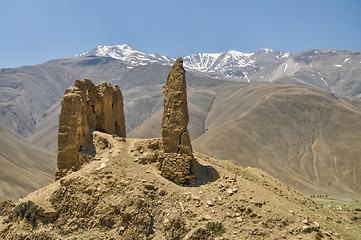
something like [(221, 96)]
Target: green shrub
[(201, 234), (249, 210), (26, 210), (216, 228), (213, 229), (318, 236)]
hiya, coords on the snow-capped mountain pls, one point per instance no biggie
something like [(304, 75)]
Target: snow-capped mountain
[(128, 54), (208, 62), (230, 64), (235, 64)]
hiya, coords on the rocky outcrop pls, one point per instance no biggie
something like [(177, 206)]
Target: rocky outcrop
[(176, 140), (85, 108), (175, 114)]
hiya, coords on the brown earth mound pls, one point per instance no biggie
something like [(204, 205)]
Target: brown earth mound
[(121, 195)]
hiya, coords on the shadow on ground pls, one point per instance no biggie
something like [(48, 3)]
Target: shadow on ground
[(203, 174)]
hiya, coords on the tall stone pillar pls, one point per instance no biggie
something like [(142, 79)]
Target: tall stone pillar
[(177, 162), (175, 114)]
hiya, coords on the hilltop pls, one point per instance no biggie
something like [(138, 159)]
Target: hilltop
[(122, 195)]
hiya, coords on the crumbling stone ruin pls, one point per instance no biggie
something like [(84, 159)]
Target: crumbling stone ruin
[(85, 108), (176, 167), (173, 166), (177, 161), (175, 113)]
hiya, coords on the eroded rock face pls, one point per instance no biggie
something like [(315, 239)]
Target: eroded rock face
[(84, 109), (175, 114)]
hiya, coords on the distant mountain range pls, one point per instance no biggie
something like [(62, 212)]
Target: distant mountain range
[(223, 97), (215, 64), (127, 54), (336, 71)]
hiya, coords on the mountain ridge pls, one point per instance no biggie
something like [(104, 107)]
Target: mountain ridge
[(30, 95), (336, 71), (203, 62)]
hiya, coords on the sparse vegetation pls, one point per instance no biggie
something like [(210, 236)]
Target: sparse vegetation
[(249, 210), (26, 210), (213, 229), (318, 236), (201, 234), (342, 210), (216, 228)]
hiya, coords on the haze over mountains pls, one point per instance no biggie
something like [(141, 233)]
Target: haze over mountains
[(292, 132)]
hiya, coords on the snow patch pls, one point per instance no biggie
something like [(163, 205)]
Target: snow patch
[(285, 55), (245, 75), (267, 50), (285, 67), (346, 60), (337, 65), (319, 74)]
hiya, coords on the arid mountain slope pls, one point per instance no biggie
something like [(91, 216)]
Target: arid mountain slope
[(199, 104), (24, 167), (30, 96), (336, 71), (305, 137), (117, 197)]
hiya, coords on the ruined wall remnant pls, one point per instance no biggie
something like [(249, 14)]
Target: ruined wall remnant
[(85, 108), (176, 167), (176, 140)]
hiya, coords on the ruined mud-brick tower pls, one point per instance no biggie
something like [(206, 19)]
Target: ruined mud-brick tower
[(85, 108), (177, 162)]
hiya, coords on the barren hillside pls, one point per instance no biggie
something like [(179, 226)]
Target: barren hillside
[(119, 195), (305, 137), (24, 167)]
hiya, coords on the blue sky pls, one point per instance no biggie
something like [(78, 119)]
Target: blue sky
[(34, 31)]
